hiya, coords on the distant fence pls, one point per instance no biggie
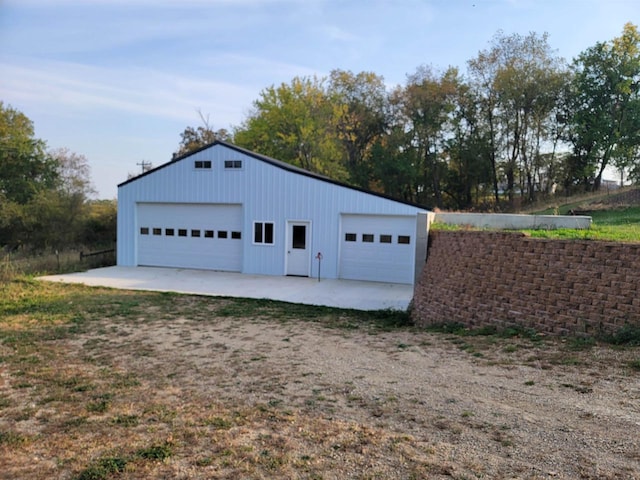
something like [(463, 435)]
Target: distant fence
[(95, 254), (481, 278), (26, 263)]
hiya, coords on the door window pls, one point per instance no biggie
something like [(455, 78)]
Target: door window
[(299, 237)]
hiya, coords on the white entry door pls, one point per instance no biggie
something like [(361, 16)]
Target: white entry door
[(298, 249)]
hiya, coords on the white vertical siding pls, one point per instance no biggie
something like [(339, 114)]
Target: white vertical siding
[(267, 193)]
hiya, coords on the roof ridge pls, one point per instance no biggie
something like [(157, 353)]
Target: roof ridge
[(272, 161)]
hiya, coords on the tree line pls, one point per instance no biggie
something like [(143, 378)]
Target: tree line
[(45, 194), (520, 124)]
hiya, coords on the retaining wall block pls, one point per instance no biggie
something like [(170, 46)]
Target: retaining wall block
[(556, 286)]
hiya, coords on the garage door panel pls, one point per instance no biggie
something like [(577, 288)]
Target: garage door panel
[(377, 260), (191, 236)]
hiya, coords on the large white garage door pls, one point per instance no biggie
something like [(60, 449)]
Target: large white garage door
[(190, 236), (378, 248)]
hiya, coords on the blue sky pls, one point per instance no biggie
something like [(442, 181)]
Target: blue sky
[(119, 80)]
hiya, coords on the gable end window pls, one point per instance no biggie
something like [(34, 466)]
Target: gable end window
[(263, 233), (202, 164), (231, 164)]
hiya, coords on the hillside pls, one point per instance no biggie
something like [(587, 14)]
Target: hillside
[(586, 203)]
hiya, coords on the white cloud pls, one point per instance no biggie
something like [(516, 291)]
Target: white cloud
[(82, 88)]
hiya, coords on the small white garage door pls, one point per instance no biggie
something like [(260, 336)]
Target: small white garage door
[(190, 236), (378, 248)]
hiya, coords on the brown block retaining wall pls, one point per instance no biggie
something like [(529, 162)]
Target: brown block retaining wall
[(508, 279)]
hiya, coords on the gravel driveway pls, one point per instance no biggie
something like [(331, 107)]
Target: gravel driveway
[(474, 407)]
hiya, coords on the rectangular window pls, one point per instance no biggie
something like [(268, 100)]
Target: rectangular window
[(157, 231), (257, 232), (195, 233), (385, 238), (350, 237), (263, 233), (233, 164), (182, 232), (268, 233), (169, 232), (144, 230), (208, 234), (404, 239), (367, 237), (202, 164), (236, 235), (222, 234)]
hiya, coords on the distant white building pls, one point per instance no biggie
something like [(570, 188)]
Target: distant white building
[(226, 208)]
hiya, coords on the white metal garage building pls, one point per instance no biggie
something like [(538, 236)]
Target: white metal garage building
[(226, 208)]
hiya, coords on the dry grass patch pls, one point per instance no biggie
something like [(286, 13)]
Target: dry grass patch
[(105, 384)]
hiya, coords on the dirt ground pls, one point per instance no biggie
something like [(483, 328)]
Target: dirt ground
[(258, 398)]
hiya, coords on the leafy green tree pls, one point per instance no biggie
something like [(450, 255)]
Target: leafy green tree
[(73, 174), (605, 125), (428, 101), (393, 167), (518, 81), (483, 70), (64, 208), (25, 167), (12, 223), (547, 78), (359, 117), (293, 123), (193, 139), (48, 223), (100, 221), (43, 194), (467, 148)]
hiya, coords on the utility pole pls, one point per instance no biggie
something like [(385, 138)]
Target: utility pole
[(145, 166)]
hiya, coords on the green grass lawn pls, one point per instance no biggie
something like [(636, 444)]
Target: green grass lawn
[(618, 225), (615, 225), (616, 217)]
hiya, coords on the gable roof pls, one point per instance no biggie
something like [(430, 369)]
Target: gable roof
[(276, 163)]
